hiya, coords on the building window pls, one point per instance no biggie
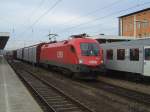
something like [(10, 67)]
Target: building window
[(109, 54), (138, 25), (130, 26), (146, 34), (147, 53), (134, 54), (126, 28), (120, 54), (145, 24)]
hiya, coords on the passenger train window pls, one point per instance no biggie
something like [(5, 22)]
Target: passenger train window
[(134, 54), (120, 54), (109, 54), (147, 53)]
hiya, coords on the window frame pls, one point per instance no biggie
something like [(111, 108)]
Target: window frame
[(145, 55), (132, 58), (121, 57), (145, 24), (138, 25)]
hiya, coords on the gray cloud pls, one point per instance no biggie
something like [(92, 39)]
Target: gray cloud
[(17, 15)]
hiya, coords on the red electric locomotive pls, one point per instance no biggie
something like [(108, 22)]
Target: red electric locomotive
[(80, 56)]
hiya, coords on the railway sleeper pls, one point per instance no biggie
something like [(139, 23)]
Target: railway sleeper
[(67, 108), (60, 99), (60, 102), (66, 104), (54, 97)]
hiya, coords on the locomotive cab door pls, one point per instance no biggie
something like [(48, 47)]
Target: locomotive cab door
[(146, 61)]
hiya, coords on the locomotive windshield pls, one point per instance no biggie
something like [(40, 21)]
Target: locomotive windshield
[(89, 49)]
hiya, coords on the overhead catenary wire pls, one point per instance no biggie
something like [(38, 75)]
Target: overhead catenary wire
[(41, 16), (33, 12), (37, 8), (100, 18), (94, 11)]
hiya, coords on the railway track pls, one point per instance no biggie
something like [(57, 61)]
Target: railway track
[(130, 94), (55, 99), (96, 86)]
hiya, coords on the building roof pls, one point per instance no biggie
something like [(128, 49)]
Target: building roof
[(135, 12), (4, 36)]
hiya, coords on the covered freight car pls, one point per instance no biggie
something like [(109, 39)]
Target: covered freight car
[(31, 54), (20, 54)]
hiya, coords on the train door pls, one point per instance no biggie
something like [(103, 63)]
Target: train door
[(146, 61)]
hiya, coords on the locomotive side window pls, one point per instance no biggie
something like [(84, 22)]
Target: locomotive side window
[(120, 54), (89, 49), (109, 54), (134, 54), (147, 53), (72, 49)]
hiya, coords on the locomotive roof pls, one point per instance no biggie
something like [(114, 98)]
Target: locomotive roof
[(70, 41)]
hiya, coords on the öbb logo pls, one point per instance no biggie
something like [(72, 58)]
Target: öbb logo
[(59, 54)]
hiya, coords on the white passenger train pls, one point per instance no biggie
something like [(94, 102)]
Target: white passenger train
[(130, 56)]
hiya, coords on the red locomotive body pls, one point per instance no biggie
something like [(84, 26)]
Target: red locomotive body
[(76, 55)]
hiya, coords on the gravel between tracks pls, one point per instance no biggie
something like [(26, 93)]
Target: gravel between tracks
[(98, 100), (127, 84)]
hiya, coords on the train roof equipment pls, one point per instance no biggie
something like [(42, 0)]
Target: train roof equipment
[(80, 35)]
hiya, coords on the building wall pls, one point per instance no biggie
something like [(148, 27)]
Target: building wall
[(137, 25)]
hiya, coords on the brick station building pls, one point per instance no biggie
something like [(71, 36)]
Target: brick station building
[(136, 24)]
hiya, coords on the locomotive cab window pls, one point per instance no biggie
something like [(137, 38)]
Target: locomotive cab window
[(134, 54), (89, 49), (147, 53), (120, 54), (109, 54)]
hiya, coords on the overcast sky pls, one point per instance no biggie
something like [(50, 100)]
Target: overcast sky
[(30, 21)]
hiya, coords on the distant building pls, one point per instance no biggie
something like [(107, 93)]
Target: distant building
[(136, 24)]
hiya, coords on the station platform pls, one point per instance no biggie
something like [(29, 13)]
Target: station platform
[(14, 96)]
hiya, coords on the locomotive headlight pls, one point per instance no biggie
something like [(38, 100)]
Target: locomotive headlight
[(102, 61), (80, 61)]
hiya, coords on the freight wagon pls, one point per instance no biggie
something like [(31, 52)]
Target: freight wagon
[(20, 54), (32, 53)]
